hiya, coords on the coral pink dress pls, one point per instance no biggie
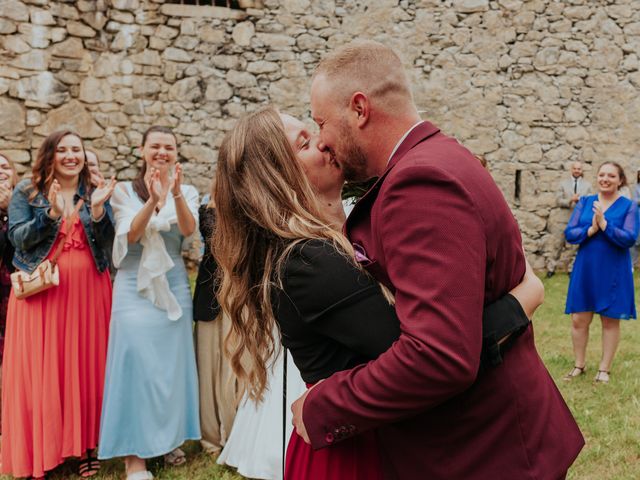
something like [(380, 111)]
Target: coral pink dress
[(54, 363)]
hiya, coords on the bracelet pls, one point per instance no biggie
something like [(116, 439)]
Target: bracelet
[(177, 196)]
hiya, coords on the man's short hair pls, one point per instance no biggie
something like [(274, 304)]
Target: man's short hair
[(366, 66)]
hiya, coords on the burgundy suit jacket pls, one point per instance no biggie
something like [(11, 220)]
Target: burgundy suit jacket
[(437, 231)]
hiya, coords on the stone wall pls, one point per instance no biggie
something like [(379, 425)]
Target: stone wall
[(530, 84)]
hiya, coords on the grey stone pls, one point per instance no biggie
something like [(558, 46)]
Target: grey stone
[(218, 89), (78, 29), (74, 115), (186, 90), (243, 33), (33, 60), (14, 10), (15, 44), (470, 6), (241, 79), (71, 48), (41, 88), (95, 90), (42, 17), (177, 55), (13, 118)]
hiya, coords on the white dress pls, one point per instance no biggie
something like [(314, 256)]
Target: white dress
[(254, 446)]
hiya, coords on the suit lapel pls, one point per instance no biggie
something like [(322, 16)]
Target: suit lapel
[(420, 133)]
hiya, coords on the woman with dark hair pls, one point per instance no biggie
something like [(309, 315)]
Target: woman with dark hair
[(56, 342), (151, 386), (286, 268), (605, 226), (8, 181)]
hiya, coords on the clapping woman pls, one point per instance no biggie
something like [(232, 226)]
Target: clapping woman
[(605, 226), (8, 180), (151, 386), (56, 340)]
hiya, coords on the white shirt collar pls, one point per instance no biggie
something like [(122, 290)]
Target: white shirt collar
[(402, 140)]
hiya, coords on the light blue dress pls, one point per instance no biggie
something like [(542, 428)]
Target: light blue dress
[(602, 278), (150, 401)]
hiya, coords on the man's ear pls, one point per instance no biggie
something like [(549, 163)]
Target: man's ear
[(361, 108)]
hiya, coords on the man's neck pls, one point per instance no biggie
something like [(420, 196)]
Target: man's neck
[(390, 133)]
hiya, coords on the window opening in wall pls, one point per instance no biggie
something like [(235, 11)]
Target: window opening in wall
[(235, 4), (517, 186)]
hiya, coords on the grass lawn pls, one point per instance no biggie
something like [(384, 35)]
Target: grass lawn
[(609, 415)]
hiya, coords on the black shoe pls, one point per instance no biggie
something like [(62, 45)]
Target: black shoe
[(550, 274)]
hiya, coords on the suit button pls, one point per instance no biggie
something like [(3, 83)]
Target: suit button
[(329, 438)]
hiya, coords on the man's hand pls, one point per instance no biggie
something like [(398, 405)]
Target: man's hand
[(298, 423), (574, 198)]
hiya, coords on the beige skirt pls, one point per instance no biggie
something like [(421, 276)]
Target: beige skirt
[(218, 385)]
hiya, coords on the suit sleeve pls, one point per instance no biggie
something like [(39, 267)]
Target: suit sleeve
[(562, 197), (435, 252)]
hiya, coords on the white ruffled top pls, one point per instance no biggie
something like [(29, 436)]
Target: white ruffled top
[(156, 261)]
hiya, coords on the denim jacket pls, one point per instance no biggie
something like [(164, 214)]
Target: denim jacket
[(33, 232)]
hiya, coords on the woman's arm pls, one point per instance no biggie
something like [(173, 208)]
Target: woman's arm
[(530, 291), (626, 235), (186, 220), (575, 232), (140, 221), (28, 226)]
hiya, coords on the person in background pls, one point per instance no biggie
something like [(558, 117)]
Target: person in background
[(636, 199), (52, 389), (217, 382), (151, 386), (569, 192), (8, 180), (604, 225), (94, 166)]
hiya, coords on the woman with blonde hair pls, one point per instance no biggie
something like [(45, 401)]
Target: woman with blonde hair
[(56, 342), (285, 267)]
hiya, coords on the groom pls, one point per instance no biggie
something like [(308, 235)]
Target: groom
[(436, 230)]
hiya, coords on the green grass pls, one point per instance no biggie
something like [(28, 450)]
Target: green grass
[(609, 415)]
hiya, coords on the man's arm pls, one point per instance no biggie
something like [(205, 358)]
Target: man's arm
[(564, 197), (434, 246)]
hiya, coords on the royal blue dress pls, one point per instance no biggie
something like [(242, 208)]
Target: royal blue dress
[(602, 278)]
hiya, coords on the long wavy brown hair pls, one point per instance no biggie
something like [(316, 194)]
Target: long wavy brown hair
[(265, 206), (138, 184), (43, 169)]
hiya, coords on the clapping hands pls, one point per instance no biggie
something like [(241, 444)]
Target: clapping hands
[(100, 195), (177, 180), (55, 200)]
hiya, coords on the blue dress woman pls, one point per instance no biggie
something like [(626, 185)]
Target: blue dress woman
[(605, 226), (151, 388)]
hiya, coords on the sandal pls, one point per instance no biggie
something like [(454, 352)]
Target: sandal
[(175, 458), (88, 466), (576, 371), (602, 376)]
